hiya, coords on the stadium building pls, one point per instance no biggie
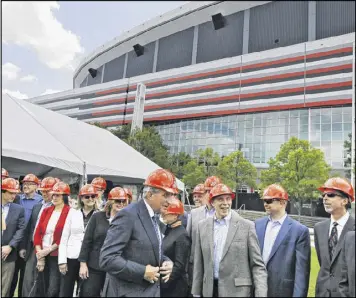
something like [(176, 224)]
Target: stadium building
[(228, 75)]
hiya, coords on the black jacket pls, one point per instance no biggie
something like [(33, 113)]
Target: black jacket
[(176, 246), (15, 229), (94, 238)]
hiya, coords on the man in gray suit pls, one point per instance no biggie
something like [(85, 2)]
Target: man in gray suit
[(132, 251), (329, 235), (198, 214), (347, 283), (227, 260)]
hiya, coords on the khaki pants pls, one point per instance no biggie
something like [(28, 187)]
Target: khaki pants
[(7, 273)]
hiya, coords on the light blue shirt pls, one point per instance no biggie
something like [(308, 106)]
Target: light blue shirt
[(272, 230), (28, 204), (221, 228), (208, 212), (5, 211)]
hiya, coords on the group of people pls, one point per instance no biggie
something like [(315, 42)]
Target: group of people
[(154, 248)]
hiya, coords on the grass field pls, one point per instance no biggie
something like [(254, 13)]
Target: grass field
[(313, 274)]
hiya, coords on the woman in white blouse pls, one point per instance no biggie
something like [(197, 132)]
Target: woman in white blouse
[(69, 249), (47, 237)]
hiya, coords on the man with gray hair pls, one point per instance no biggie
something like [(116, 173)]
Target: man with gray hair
[(132, 251)]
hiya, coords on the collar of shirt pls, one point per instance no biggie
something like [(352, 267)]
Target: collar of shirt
[(280, 221), (225, 220), (342, 221), (46, 204), (6, 205), (149, 208), (211, 211), (36, 197)]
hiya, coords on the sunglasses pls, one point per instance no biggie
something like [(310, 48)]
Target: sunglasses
[(120, 201), (88, 197), (270, 201), (330, 195)]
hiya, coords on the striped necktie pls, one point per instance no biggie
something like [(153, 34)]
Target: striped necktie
[(158, 233)]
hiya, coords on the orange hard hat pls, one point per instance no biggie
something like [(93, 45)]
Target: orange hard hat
[(31, 178), (162, 179), (210, 182), (199, 189), (339, 184), (99, 183), (129, 193), (88, 189), (275, 191), (61, 188), (219, 190), (4, 173), (175, 207), (118, 193), (10, 185), (47, 183)]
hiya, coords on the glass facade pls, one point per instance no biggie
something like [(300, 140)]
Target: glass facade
[(260, 135)]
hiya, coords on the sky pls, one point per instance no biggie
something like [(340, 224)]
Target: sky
[(43, 42)]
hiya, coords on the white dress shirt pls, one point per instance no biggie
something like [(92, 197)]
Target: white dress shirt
[(149, 208), (341, 224), (221, 227), (48, 236), (272, 230)]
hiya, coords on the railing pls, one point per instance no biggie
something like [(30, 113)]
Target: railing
[(242, 207)]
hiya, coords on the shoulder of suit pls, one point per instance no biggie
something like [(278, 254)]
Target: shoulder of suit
[(17, 206), (197, 210), (322, 223), (204, 221)]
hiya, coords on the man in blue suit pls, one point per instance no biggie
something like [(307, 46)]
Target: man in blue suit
[(285, 247)]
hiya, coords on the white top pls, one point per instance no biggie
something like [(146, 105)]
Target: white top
[(44, 205), (272, 230), (72, 236), (48, 237), (341, 224)]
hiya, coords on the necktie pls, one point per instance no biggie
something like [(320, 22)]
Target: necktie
[(333, 240), (158, 233)]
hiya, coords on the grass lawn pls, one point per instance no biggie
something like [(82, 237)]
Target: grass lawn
[(313, 273)]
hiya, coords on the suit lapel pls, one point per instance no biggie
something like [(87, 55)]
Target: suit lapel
[(148, 226), (350, 226), (233, 227), (210, 236), (8, 214), (283, 232), (261, 231)]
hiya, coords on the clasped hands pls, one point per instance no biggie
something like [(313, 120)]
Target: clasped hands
[(152, 274)]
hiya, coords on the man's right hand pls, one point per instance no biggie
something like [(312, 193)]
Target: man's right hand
[(151, 274), (22, 253)]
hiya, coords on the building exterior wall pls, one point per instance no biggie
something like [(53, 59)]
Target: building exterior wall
[(234, 87)]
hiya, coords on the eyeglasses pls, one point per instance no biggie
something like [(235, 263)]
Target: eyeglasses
[(120, 201), (270, 201), (88, 197)]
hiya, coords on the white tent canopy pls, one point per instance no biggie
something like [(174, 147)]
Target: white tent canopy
[(64, 145)]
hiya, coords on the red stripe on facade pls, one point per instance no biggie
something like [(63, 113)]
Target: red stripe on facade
[(111, 112), (111, 91)]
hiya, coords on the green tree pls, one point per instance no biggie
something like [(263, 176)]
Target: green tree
[(98, 124), (193, 174), (177, 163), (235, 171), (150, 144), (299, 168), (122, 132), (347, 147), (209, 159)]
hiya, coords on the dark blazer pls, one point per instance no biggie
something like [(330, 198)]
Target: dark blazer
[(94, 238), (131, 244), (347, 283), (176, 246), (15, 229), (288, 266), (327, 284), (27, 242)]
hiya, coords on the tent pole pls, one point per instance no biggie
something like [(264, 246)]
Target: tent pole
[(85, 177)]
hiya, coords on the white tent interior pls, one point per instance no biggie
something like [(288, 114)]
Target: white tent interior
[(44, 142)]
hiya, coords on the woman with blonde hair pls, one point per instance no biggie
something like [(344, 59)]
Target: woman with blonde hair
[(88, 202), (94, 237)]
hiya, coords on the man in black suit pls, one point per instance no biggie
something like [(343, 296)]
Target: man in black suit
[(30, 254), (347, 284), (132, 251), (13, 218), (329, 235)]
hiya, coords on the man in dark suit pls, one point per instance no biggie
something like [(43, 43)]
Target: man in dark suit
[(30, 254), (347, 283), (285, 247), (132, 251), (329, 235), (13, 216)]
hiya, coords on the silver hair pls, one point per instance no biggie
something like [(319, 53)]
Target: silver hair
[(151, 189)]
